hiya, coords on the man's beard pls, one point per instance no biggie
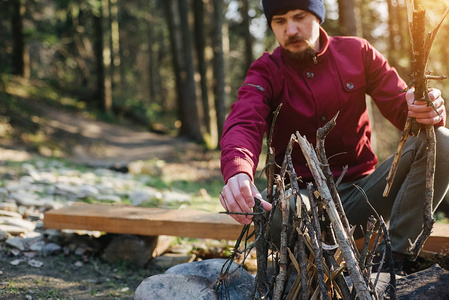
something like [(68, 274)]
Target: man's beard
[(304, 56)]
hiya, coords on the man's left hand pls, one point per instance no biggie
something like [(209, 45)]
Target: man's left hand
[(426, 114)]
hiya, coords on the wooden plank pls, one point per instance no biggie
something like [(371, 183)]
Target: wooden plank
[(182, 223), (143, 221), (438, 241)]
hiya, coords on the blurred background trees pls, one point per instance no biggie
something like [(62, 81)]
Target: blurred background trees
[(175, 66)]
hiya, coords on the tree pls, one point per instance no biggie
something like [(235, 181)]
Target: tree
[(177, 20), (347, 20), (200, 45), (246, 21), (19, 66), (103, 56), (219, 67), (190, 122)]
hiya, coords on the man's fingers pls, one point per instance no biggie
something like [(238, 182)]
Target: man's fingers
[(229, 202)]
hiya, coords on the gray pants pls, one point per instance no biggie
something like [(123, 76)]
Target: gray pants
[(403, 207)]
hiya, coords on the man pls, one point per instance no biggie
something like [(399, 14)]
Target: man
[(315, 76)]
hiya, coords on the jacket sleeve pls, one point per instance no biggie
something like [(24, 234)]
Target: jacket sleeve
[(385, 87), (244, 128)]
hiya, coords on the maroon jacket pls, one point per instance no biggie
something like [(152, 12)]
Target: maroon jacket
[(346, 69)]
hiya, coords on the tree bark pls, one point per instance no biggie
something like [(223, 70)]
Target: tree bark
[(218, 65), (18, 38), (190, 122), (347, 20), (246, 22), (200, 45)]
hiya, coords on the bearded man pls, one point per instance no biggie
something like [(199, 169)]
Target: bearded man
[(315, 76)]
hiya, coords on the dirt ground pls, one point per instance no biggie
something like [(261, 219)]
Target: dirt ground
[(63, 277), (70, 276), (94, 143)]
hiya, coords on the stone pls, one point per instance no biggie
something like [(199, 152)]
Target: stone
[(168, 196), (175, 286), (240, 284), (109, 198), (26, 225), (166, 261), (3, 192), (25, 198), (12, 214), (50, 249), (37, 246), (35, 263), (130, 248), (139, 197), (162, 244), (8, 206), (11, 229), (429, 284), (3, 235), (86, 191), (16, 242)]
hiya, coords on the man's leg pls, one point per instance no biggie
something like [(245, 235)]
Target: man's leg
[(404, 205)]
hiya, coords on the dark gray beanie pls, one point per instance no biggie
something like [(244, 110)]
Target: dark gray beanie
[(316, 7)]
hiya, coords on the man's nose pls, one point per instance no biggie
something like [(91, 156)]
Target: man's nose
[(292, 28)]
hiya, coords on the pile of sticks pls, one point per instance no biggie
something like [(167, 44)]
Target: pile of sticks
[(317, 253)]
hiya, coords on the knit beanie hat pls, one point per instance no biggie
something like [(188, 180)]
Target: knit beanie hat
[(316, 7)]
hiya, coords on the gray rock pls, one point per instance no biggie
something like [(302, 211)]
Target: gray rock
[(175, 197), (175, 286), (429, 284), (35, 263), (166, 261), (16, 242), (25, 198), (3, 192), (3, 235), (139, 197), (50, 249), (240, 284), (87, 191), (111, 198), (37, 247)]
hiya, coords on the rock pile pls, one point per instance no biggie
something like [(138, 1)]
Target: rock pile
[(30, 189)]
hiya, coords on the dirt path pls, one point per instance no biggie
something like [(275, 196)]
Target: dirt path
[(100, 142)]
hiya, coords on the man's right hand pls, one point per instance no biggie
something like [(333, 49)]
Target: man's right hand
[(238, 196)]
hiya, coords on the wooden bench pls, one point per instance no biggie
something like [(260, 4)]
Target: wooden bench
[(181, 223), (143, 221)]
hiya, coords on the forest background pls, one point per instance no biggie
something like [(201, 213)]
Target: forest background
[(175, 66)]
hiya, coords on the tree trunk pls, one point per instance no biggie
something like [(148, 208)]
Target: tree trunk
[(246, 22), (190, 121), (103, 58), (98, 28), (152, 58), (19, 65), (218, 62), (173, 28), (115, 46), (200, 45), (347, 20)]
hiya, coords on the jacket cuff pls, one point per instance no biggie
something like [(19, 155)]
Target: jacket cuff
[(235, 166)]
